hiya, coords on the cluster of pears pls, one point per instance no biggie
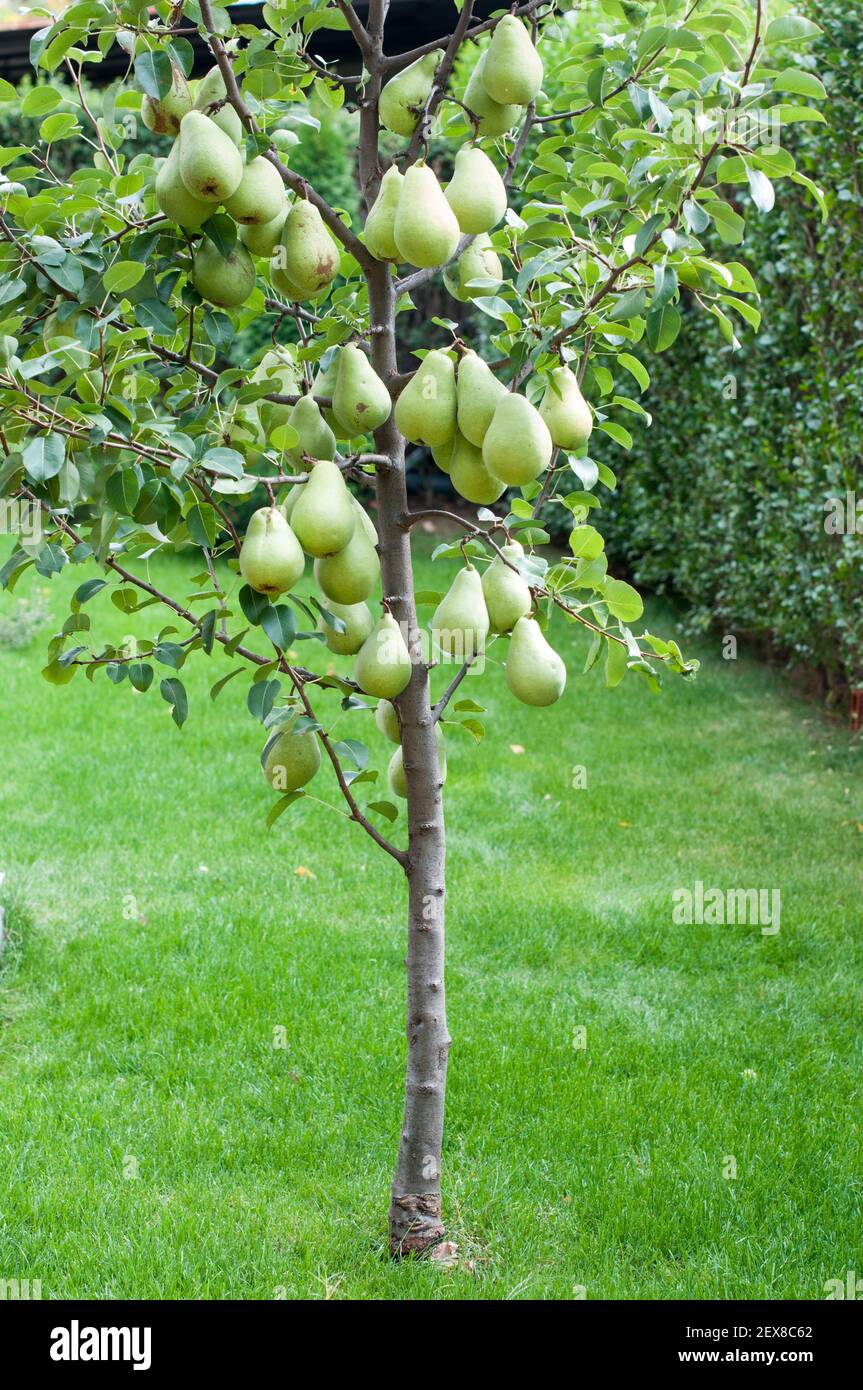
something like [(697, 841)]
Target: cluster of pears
[(508, 76), (500, 602), (414, 220), (206, 169), (484, 436)]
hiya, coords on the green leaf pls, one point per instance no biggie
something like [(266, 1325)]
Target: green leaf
[(227, 462), (153, 73), (39, 100), (44, 456), (86, 591), (122, 490), (629, 305), (217, 689), (122, 275), (695, 217), (385, 809), (57, 674), (635, 368), (254, 605), (791, 28), (280, 625), (763, 195), (663, 327), (174, 692), (623, 601), (282, 805), (262, 696), (221, 230), (800, 83), (202, 523), (615, 664)]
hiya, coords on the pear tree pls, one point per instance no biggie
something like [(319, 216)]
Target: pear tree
[(574, 179)]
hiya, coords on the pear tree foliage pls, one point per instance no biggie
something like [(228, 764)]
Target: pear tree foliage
[(605, 163)]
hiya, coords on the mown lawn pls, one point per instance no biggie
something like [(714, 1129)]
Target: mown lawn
[(154, 1142)]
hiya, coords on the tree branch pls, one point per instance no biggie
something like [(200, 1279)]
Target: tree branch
[(441, 78), (438, 709)]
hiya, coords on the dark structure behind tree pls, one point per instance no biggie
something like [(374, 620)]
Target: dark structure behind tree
[(409, 23)]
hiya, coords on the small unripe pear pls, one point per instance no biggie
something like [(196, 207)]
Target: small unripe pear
[(383, 664), (323, 517), (426, 228), (311, 258), (476, 192), (224, 280), (387, 720), (460, 622), (379, 234), (477, 263), (534, 672), (565, 411), (361, 401), (271, 560), (469, 475), (426, 408), (517, 445), (350, 575), (513, 69), (358, 623), (211, 166), (396, 777), (260, 196), (290, 759), (494, 118), (507, 596), (403, 99)]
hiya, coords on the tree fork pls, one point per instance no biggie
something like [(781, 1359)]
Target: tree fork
[(415, 1207)]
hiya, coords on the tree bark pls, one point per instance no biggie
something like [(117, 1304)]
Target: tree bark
[(415, 1208)]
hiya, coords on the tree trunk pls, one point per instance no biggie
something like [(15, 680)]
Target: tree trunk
[(415, 1208)]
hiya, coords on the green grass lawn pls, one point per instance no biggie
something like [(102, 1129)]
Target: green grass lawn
[(154, 1142)]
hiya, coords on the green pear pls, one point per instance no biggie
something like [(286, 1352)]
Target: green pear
[(442, 454), (290, 759), (174, 199), (507, 597), (351, 574), (512, 71), (380, 223), (211, 166), (396, 778), (324, 386), (565, 411), (260, 196), (280, 370), (426, 228), (262, 239), (317, 440), (311, 258), (478, 262), (387, 720), (164, 114), (476, 193), (426, 408), (224, 280), (271, 560), (383, 664), (478, 395), (361, 401), (493, 118), (358, 623), (211, 91), (469, 475), (365, 520), (517, 445), (281, 282), (460, 622), (285, 139), (403, 99), (534, 672), (323, 517)]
